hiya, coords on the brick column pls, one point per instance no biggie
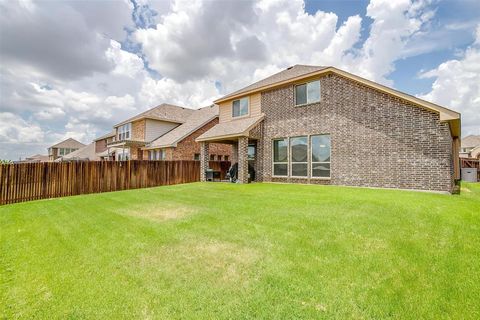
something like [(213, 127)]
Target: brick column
[(204, 158), (242, 160), (234, 153)]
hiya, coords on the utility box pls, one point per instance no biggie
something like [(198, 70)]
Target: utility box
[(469, 174)]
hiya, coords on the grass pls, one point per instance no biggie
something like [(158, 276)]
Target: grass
[(217, 251)]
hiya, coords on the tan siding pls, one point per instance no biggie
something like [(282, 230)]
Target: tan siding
[(255, 109), (156, 128)]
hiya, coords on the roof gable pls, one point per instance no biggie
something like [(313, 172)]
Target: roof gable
[(68, 143), (164, 112)]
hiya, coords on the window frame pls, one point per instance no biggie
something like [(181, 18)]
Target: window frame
[(123, 130), (291, 154), (273, 157), (248, 108), (320, 162), (306, 93)]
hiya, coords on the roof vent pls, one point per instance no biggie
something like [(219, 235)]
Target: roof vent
[(290, 67)]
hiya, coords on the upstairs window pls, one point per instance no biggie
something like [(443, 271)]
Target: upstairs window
[(240, 107), (124, 131), (307, 93)]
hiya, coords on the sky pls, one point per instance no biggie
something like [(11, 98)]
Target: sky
[(76, 68)]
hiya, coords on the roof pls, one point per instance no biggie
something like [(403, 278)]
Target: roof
[(300, 72), (287, 74), (195, 121), (471, 141), (87, 152), (163, 112), (69, 143), (106, 136), (230, 129), (38, 157)]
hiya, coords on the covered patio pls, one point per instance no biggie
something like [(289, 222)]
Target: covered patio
[(244, 135)]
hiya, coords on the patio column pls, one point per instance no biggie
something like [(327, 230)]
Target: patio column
[(242, 160), (235, 153), (204, 158)]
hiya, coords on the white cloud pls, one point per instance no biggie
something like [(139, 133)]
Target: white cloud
[(13, 129), (457, 86), (126, 63)]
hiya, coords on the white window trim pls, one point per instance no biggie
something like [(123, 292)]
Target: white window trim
[(290, 160), (306, 83), (273, 158), (311, 158), (248, 108)]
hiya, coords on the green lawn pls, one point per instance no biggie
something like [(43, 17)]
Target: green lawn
[(217, 251)]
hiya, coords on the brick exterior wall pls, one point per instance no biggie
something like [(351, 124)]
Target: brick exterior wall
[(377, 140), (242, 160), (138, 130)]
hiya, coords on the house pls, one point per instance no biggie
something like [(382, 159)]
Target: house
[(165, 132), (470, 147), (101, 146), (313, 124), (35, 158), (135, 133), (63, 148), (86, 153), (179, 143)]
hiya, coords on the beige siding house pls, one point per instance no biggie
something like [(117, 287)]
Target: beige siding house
[(63, 148), (314, 124)]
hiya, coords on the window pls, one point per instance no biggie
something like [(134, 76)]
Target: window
[(321, 156), (280, 157), (196, 156), (159, 154), (240, 107), (299, 156), (219, 158), (225, 158), (123, 155), (124, 131), (212, 157), (251, 152), (307, 93)]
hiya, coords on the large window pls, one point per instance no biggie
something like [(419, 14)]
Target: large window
[(293, 156), (299, 156), (156, 154), (240, 107), (307, 93), (280, 157), (320, 156), (123, 155), (124, 132)]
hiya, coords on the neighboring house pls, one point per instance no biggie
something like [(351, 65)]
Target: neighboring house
[(135, 133), (86, 153), (101, 146), (63, 148), (470, 147), (179, 143), (35, 158), (311, 124)]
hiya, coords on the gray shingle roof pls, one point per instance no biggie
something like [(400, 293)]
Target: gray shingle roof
[(471, 141), (107, 135), (289, 73), (233, 128), (165, 112), (194, 122), (68, 143)]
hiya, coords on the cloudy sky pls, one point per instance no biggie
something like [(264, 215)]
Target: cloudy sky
[(75, 68)]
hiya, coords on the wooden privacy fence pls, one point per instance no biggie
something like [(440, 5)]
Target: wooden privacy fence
[(33, 181)]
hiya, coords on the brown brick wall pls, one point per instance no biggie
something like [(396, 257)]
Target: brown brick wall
[(138, 130), (377, 140)]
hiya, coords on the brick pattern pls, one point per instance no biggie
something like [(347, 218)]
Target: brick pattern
[(257, 134), (377, 140), (242, 160), (138, 130), (204, 159)]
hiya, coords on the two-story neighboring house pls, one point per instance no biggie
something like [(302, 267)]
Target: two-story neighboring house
[(135, 133), (63, 148), (470, 147), (101, 146), (179, 143), (313, 124)]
